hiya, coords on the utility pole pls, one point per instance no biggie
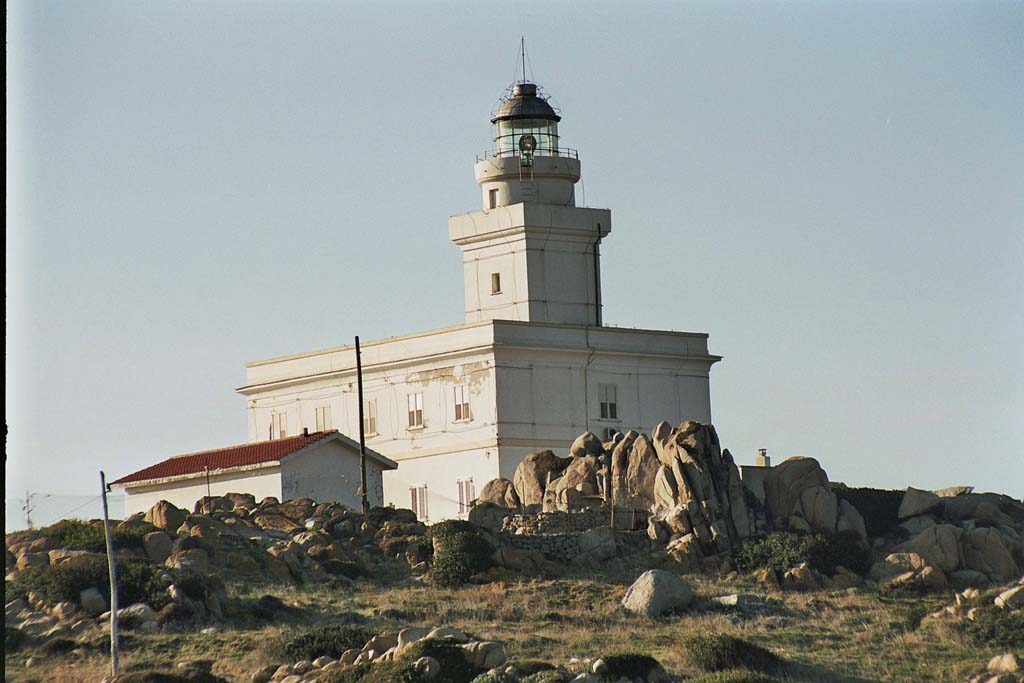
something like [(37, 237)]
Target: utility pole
[(362, 436), (112, 570), (28, 509)]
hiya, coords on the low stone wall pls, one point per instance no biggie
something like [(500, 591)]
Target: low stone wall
[(556, 522), (574, 546)]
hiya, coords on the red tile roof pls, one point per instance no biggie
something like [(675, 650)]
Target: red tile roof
[(225, 458)]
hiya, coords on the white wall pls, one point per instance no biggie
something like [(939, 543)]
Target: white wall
[(330, 472), (440, 473), (260, 483), (532, 386)]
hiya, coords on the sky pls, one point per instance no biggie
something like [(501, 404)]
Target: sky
[(834, 191)]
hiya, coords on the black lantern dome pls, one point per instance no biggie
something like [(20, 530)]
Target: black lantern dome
[(525, 122)]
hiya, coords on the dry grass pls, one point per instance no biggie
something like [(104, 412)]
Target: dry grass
[(846, 636)]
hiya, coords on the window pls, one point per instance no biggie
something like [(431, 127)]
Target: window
[(467, 494), (495, 283), (370, 417), (461, 403), (607, 397), (492, 199), (418, 501), (415, 410), (323, 418), (278, 425)]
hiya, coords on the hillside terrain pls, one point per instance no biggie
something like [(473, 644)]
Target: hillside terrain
[(640, 559)]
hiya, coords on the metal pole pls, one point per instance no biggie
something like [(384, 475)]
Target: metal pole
[(112, 569), (362, 436)]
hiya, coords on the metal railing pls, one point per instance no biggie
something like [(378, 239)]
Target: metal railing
[(565, 152)]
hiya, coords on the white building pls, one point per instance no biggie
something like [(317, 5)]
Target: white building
[(531, 368), (323, 466)]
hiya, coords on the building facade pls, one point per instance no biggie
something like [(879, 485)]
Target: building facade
[(532, 367), (323, 466)]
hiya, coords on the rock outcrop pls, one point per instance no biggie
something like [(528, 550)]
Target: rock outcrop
[(533, 474), (798, 497), (697, 488)]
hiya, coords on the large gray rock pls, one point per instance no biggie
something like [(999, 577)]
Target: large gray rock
[(166, 516), (657, 592), (499, 492), (532, 475), (157, 545), (586, 443), (92, 601), (917, 502), (850, 519), (784, 487), (1011, 599), (985, 550), (577, 487), (940, 545)]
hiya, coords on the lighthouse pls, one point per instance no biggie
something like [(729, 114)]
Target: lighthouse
[(530, 253), (531, 366)]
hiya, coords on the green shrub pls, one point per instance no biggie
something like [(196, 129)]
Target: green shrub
[(778, 551), (460, 555), (782, 550), (721, 652), (13, 638), (732, 676), (878, 507), (454, 668), (995, 627), (188, 676), (56, 646), (499, 677), (544, 677), (137, 581), (843, 549), (452, 527), (630, 666), (76, 534), (316, 641)]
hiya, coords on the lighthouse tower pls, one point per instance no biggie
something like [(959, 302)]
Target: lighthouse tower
[(530, 254)]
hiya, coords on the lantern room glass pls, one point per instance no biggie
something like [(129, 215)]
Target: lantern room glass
[(507, 134)]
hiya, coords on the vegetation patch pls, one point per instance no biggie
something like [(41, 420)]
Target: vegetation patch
[(721, 652), (460, 552), (994, 627), (137, 581), (878, 507), (630, 665), (13, 638), (316, 641), (187, 676), (733, 676), (782, 550), (76, 534)]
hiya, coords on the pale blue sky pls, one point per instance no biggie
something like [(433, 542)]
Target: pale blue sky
[(834, 191)]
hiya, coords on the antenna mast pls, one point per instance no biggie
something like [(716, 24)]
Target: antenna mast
[(522, 53)]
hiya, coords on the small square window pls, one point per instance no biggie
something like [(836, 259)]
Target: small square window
[(607, 396), (415, 410), (462, 403), (323, 418), (495, 283), (467, 494), (418, 501), (278, 425), (370, 417)]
